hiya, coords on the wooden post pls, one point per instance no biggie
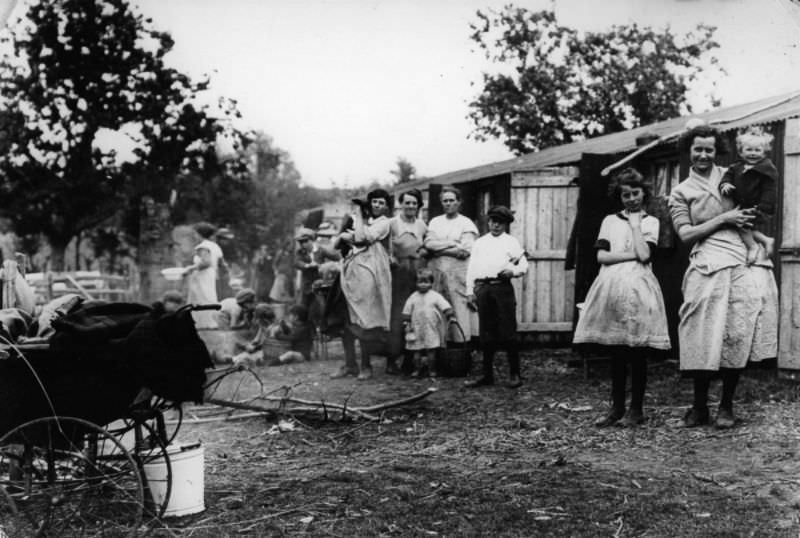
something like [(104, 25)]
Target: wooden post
[(49, 286), (789, 251)]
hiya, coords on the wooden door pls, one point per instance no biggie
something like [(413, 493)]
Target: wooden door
[(545, 204)]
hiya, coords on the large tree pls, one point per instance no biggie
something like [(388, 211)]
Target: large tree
[(556, 85), (83, 80), (259, 206), (405, 171), (279, 193)]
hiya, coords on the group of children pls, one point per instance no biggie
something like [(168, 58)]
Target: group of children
[(624, 309), (295, 329)]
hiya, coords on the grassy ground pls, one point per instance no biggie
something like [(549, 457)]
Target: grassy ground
[(496, 462)]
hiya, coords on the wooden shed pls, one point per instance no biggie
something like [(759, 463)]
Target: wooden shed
[(559, 199)]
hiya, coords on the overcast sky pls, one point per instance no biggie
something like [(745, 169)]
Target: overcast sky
[(347, 86)]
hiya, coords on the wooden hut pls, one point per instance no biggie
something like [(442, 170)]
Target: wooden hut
[(559, 198)]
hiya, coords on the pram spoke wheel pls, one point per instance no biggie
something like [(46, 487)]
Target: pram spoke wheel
[(56, 481), (148, 449)]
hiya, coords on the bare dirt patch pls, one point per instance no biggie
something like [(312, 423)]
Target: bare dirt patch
[(497, 462)]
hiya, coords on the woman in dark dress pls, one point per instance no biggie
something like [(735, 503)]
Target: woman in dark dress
[(408, 256)]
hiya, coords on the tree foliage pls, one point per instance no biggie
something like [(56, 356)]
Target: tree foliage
[(260, 206), (93, 118), (405, 171), (556, 85), (279, 195)]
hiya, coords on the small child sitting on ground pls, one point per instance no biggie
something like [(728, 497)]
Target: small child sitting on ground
[(264, 317), (299, 332), (272, 330), (424, 317), (752, 183)]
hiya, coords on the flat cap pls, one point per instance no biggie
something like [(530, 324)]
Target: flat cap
[(326, 229), (501, 213), (304, 233), (245, 295)]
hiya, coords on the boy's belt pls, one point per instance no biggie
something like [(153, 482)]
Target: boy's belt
[(491, 281)]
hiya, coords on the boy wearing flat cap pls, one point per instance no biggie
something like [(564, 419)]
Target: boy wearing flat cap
[(496, 258), (304, 262), (237, 312)]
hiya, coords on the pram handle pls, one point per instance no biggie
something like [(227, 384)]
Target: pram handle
[(199, 307)]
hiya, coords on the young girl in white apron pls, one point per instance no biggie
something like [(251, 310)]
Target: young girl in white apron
[(624, 309)]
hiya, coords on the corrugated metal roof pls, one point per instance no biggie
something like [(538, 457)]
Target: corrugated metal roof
[(725, 118)]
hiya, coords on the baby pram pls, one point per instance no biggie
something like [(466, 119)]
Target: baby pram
[(63, 470)]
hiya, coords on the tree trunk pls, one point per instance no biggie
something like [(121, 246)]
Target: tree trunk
[(57, 252)]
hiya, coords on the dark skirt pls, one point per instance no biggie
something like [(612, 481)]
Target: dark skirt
[(404, 281)]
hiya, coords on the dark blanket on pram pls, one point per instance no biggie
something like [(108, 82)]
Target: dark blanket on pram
[(158, 351), (93, 331), (97, 361), (168, 356)]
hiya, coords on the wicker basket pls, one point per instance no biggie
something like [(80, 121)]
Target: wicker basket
[(455, 360), (223, 344), (274, 348)]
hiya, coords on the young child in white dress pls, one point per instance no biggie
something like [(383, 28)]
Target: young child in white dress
[(624, 308), (425, 317)]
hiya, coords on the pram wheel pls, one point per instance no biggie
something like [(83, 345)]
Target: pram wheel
[(56, 482), (144, 437)]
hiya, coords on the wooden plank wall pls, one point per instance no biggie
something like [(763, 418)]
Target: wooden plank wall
[(545, 204), (789, 252)]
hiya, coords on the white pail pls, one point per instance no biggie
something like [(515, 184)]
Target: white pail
[(127, 439), (188, 482)]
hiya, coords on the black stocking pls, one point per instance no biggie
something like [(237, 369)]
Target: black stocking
[(619, 375), (349, 345), (488, 361), (638, 363), (366, 353), (730, 378), (701, 383), (512, 350)]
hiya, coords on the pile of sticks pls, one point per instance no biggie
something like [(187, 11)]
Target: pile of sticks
[(273, 406)]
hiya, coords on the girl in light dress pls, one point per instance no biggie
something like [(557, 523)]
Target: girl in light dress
[(202, 275), (425, 317), (624, 308)]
